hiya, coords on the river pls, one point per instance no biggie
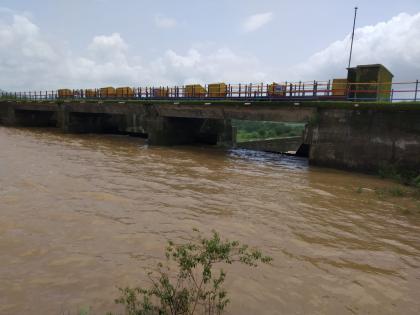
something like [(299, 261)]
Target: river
[(84, 214)]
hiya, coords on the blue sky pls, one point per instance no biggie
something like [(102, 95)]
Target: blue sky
[(89, 43)]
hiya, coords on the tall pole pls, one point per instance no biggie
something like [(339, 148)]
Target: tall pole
[(352, 35)]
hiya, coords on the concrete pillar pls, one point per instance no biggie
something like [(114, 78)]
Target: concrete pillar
[(226, 134), (136, 124), (7, 114), (63, 117)]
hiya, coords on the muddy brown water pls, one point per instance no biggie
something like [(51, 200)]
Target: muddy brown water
[(83, 214)]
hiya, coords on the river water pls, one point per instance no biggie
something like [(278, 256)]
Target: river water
[(83, 214)]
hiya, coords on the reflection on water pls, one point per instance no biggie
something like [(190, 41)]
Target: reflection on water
[(82, 214)]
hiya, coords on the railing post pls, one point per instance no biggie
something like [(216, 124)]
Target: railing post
[(417, 87), (329, 87)]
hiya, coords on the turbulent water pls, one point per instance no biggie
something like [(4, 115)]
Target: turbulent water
[(83, 214)]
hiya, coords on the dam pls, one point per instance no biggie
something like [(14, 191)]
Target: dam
[(347, 135)]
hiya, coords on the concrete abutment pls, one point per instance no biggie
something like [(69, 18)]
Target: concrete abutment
[(365, 140)]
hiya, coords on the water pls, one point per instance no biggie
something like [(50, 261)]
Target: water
[(83, 214)]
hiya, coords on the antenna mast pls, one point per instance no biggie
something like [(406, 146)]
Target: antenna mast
[(352, 35)]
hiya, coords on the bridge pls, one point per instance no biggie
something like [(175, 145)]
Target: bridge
[(350, 123), (162, 122), (361, 136)]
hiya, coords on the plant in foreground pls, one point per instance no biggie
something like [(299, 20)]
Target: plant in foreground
[(191, 281)]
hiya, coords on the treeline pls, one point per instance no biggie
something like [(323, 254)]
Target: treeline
[(257, 130)]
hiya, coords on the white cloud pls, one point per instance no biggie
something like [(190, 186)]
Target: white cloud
[(165, 22), (111, 48), (220, 65), (394, 43), (24, 54), (256, 21), (29, 61)]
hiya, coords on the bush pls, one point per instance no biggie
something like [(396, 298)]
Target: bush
[(398, 173), (195, 287)]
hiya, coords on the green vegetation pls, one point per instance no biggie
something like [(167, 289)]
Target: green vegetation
[(405, 176), (257, 130), (7, 97), (392, 191), (191, 281), (408, 177), (396, 191)]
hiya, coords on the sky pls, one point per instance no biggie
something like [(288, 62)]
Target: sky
[(50, 44)]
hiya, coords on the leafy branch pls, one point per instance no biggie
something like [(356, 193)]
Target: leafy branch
[(192, 285)]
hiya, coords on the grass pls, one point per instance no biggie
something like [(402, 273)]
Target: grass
[(401, 174), (395, 191), (260, 130)]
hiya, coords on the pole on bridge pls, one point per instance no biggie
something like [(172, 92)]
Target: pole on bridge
[(352, 35), (417, 88)]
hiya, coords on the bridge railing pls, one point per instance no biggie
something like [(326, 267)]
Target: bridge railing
[(287, 91)]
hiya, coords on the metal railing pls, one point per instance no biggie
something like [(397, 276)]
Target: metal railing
[(287, 91)]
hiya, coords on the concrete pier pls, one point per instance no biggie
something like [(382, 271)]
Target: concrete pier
[(365, 140)]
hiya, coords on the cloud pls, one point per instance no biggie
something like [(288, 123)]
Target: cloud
[(220, 65), (165, 22), (256, 21), (24, 54), (110, 48), (29, 61), (394, 43)]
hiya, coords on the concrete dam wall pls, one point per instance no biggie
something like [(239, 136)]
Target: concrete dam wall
[(338, 135), (365, 140)]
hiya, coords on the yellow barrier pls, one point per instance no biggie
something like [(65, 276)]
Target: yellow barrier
[(124, 92), (339, 87), (63, 93), (276, 89), (217, 90), (107, 92), (195, 90)]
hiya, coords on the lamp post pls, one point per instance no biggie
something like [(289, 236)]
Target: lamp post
[(352, 35)]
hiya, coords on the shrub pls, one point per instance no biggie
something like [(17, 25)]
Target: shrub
[(195, 287)]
